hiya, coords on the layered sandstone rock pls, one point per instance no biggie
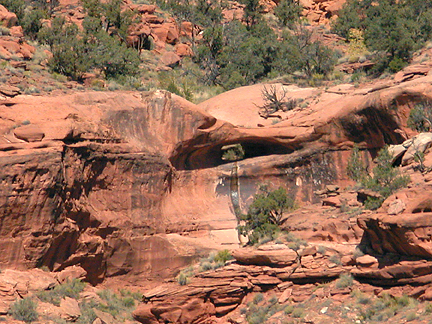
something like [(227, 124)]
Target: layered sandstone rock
[(120, 181)]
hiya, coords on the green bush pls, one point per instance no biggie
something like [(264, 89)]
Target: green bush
[(289, 309), (24, 310), (265, 214), (393, 29), (114, 304), (258, 298), (420, 118), (76, 52), (345, 280), (356, 170), (223, 256), (288, 12), (385, 179), (70, 289), (184, 276)]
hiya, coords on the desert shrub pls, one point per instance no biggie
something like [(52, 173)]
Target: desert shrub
[(360, 297), (258, 314), (87, 312), (288, 12), (385, 180), (345, 280), (265, 214), (24, 310), (215, 260), (70, 289), (223, 256), (258, 298), (184, 276), (356, 169), (420, 118), (335, 258), (114, 304), (32, 22), (289, 309), (293, 242), (274, 101), (321, 249), (78, 51), (300, 51), (428, 309), (297, 313), (233, 152), (386, 307), (411, 316)]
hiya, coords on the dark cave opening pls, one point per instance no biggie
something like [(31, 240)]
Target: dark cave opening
[(212, 156)]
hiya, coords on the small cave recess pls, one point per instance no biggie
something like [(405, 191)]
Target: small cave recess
[(213, 155)]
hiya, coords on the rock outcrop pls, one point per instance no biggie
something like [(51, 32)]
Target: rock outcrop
[(119, 181)]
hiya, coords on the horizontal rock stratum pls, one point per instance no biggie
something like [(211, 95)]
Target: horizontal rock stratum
[(134, 182)]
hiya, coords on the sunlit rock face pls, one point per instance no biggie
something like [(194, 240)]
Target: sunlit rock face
[(136, 183)]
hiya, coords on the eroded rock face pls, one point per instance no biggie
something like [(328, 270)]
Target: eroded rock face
[(120, 181)]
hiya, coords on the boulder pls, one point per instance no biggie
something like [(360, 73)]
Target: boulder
[(70, 273), (70, 309), (7, 18), (419, 143), (29, 133), (170, 59), (396, 207), (407, 234), (183, 50), (9, 91)]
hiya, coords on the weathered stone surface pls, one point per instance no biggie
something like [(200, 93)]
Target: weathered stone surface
[(407, 234), (70, 309), (397, 206), (9, 90), (29, 133), (275, 258)]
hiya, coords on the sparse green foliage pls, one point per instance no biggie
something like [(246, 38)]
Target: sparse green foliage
[(252, 10), (32, 22), (114, 304), (420, 118), (24, 310), (336, 259), (288, 12), (234, 152), (76, 52), (214, 261), (223, 256), (300, 51), (260, 310), (274, 101), (385, 179), (386, 307), (184, 276), (70, 289), (265, 214), (345, 280), (293, 242), (355, 168), (258, 298)]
